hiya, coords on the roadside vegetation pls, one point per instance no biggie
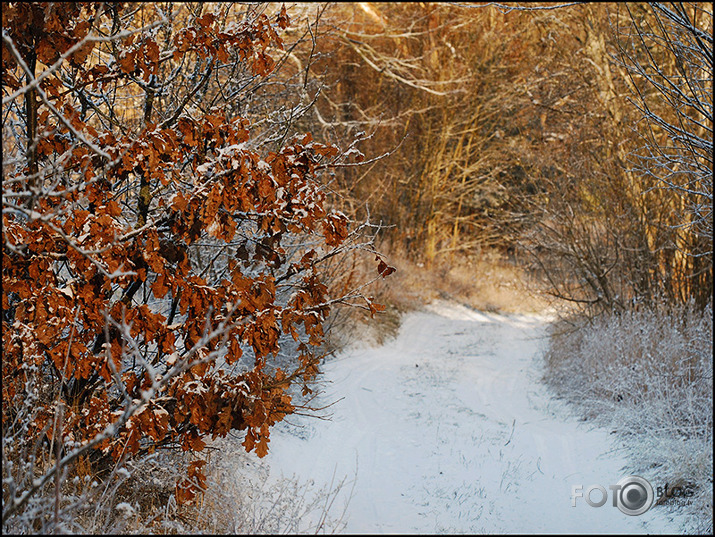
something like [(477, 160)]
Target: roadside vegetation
[(646, 376)]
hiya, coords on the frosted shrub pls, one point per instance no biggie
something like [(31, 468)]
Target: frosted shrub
[(243, 498), (648, 376)]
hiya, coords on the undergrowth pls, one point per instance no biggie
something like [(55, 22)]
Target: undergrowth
[(648, 376), (139, 498)]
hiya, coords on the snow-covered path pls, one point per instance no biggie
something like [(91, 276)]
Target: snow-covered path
[(447, 429)]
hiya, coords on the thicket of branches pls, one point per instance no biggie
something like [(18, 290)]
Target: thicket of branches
[(581, 134), (616, 231), (163, 255)]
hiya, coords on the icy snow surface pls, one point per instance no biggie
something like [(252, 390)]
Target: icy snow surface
[(448, 429)]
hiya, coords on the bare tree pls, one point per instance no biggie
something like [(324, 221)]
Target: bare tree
[(668, 52)]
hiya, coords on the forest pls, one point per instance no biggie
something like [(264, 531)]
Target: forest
[(203, 202)]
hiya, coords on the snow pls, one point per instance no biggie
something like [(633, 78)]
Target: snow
[(204, 168), (125, 509), (447, 428)]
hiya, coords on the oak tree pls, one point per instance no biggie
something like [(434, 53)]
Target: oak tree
[(157, 258)]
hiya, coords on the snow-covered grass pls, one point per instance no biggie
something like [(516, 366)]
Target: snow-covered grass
[(647, 376), (242, 500), (138, 497)]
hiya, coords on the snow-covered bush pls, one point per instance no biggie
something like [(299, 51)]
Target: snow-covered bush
[(648, 376)]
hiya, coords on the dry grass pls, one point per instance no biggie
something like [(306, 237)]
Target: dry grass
[(138, 497), (648, 376), (487, 282)]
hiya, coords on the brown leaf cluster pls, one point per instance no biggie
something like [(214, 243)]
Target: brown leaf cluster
[(106, 296)]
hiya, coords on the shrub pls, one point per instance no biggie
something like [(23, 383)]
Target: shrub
[(162, 262)]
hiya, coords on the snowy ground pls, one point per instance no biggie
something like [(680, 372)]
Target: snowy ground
[(447, 429)]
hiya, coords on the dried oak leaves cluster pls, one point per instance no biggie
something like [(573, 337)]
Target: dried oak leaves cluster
[(111, 307)]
